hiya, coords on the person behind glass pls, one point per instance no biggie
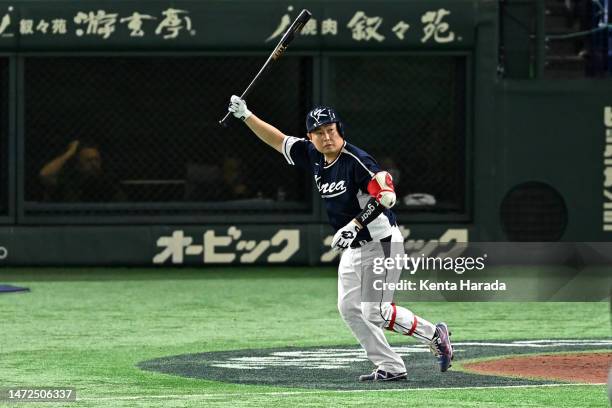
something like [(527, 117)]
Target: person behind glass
[(77, 175), (235, 187)]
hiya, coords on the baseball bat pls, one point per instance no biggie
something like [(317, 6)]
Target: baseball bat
[(282, 45)]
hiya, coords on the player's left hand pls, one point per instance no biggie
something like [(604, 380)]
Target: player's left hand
[(238, 108), (345, 236)]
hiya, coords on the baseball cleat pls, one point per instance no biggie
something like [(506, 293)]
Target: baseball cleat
[(380, 375), (441, 346)]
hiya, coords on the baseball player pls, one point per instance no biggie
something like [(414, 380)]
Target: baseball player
[(358, 196)]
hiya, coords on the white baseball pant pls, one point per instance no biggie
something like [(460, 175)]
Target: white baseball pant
[(367, 319)]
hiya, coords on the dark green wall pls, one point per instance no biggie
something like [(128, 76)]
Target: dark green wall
[(518, 131)]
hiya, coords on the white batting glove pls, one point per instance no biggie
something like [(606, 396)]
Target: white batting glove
[(238, 108), (345, 236)]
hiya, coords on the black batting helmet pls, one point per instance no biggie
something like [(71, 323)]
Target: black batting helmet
[(323, 115)]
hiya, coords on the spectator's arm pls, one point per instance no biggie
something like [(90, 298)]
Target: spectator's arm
[(48, 174)]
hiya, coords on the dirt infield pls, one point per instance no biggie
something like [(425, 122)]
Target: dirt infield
[(584, 367)]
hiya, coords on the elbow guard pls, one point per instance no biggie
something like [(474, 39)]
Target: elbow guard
[(381, 188)]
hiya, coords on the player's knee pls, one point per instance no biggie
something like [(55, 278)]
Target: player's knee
[(347, 310), (371, 312), (374, 312)]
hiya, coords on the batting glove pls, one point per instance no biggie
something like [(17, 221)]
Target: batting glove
[(238, 108), (345, 236)]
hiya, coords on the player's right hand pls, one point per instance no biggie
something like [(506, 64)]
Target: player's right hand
[(345, 236), (238, 108)]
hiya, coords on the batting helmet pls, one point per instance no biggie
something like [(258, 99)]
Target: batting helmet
[(323, 115)]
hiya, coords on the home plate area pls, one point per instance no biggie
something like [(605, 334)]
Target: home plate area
[(476, 364)]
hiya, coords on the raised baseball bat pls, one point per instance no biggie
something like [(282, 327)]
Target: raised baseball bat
[(282, 45)]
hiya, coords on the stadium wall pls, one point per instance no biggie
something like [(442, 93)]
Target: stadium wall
[(505, 157)]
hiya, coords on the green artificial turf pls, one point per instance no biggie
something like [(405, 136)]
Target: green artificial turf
[(88, 328)]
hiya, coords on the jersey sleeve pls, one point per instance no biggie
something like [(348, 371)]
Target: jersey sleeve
[(365, 168), (295, 151)]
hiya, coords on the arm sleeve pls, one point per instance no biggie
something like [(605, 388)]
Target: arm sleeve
[(295, 151), (370, 211)]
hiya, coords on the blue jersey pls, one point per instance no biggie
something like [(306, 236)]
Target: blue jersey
[(343, 184)]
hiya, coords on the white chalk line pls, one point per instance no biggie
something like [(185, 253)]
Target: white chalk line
[(320, 391)]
